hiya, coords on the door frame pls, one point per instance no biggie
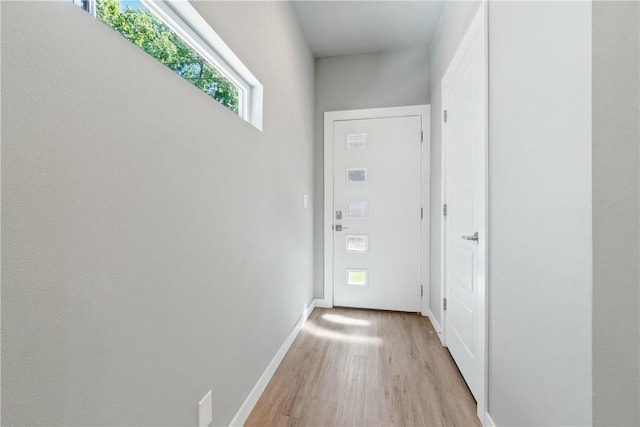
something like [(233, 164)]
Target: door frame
[(423, 111), (478, 28)]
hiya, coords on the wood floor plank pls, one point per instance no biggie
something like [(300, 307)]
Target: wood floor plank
[(352, 367)]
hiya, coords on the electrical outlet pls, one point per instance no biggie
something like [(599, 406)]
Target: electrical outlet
[(205, 410)]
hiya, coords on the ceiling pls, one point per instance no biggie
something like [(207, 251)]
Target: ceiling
[(350, 27)]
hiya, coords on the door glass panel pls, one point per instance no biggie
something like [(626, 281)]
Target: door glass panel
[(358, 175), (357, 208), (357, 278), (357, 243), (357, 140)]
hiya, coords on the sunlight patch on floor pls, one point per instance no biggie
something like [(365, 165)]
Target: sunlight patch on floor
[(339, 336), (345, 320)]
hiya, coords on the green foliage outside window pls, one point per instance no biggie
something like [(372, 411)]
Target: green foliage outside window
[(153, 36)]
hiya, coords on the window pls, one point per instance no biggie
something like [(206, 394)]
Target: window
[(357, 175), (357, 140), (175, 34), (357, 243), (357, 278), (357, 208)]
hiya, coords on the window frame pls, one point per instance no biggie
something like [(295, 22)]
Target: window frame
[(184, 19), (191, 27)]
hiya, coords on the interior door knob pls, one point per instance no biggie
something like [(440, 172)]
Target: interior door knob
[(473, 238), (339, 227)]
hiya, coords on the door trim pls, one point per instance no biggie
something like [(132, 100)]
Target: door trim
[(374, 113), (477, 28)]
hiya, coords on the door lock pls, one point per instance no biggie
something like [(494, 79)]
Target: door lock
[(338, 214), (339, 227)]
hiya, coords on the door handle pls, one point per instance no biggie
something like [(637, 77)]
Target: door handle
[(339, 227), (473, 238)]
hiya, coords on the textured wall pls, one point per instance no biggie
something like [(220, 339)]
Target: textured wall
[(540, 204), (616, 136), (154, 245), (350, 82)]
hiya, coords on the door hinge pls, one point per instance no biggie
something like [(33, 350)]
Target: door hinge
[(444, 210), (421, 213), (444, 304), (421, 290), (444, 116), (421, 136)]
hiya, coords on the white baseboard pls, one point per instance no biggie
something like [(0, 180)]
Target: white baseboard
[(323, 303), (435, 323), (263, 381), (488, 421)]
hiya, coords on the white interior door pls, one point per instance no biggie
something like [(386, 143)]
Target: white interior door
[(464, 145), (377, 213)]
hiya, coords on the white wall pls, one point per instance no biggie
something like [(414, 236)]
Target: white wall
[(542, 199), (349, 82), (454, 21), (154, 245), (540, 259), (616, 116)]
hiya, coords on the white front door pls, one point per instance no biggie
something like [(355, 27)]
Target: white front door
[(464, 148), (377, 213)]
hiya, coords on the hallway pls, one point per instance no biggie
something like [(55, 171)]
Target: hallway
[(182, 186), (363, 367)]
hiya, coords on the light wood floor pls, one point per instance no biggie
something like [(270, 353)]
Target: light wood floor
[(350, 367)]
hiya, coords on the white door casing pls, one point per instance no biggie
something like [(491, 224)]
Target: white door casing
[(464, 234), (384, 175)]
